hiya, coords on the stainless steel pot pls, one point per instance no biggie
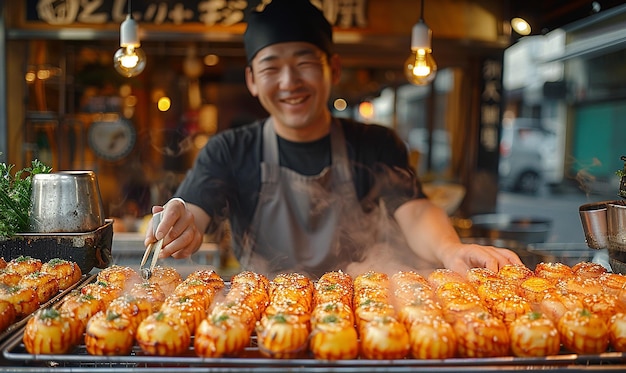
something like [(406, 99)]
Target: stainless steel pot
[(594, 221), (67, 201), (616, 233)]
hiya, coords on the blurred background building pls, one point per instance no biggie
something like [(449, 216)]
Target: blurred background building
[(558, 90)]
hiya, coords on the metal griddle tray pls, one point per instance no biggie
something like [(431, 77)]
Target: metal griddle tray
[(251, 359)]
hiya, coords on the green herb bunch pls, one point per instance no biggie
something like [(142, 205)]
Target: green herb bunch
[(15, 192)]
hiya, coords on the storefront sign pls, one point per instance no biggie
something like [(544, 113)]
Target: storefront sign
[(341, 13), (491, 100)]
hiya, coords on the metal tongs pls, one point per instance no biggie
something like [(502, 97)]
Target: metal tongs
[(153, 248)]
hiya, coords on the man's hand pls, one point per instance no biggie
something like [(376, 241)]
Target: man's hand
[(461, 257), (432, 237), (181, 237)]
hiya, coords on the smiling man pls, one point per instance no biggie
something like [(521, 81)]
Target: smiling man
[(302, 190)]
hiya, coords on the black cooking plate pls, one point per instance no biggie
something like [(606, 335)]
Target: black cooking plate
[(525, 229)]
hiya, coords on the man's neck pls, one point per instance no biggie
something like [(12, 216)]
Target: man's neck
[(304, 134)]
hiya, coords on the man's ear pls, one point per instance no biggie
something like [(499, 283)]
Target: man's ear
[(335, 68), (250, 81)]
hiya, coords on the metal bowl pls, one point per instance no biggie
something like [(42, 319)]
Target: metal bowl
[(65, 202)]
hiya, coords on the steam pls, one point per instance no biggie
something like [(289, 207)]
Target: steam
[(585, 178), (369, 237), (388, 252), (178, 148)]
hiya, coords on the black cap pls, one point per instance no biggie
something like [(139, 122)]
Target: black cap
[(287, 20)]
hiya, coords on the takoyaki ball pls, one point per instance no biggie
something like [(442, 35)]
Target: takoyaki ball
[(588, 269), (621, 296), (133, 308), (188, 309), (617, 332), (407, 294), (220, 335), (24, 265), (384, 338), (451, 290), (45, 284), (236, 310), (369, 310), (291, 300), (337, 309), (123, 277), (514, 273), (257, 280), (102, 290), (419, 308), (109, 333), (442, 276), (294, 301), (82, 306), (371, 279), (336, 277), (291, 280), (334, 338), (51, 332), (66, 272), (402, 278), (509, 309), (7, 314), (150, 291), (556, 303), (256, 297), (479, 275), (329, 292), (553, 272), (479, 334), (491, 292), (166, 277), (24, 300), (603, 304), (209, 277), (335, 283), (379, 295), (455, 308), (297, 312), (162, 334), (583, 332), (533, 289), (431, 337), (195, 289), (9, 277), (279, 337), (533, 334), (582, 285), (613, 283)]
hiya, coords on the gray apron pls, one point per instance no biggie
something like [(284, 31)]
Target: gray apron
[(300, 221)]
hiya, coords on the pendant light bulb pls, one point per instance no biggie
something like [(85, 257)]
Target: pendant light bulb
[(129, 60), (420, 67)]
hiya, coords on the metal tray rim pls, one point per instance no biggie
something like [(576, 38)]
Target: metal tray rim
[(553, 360), (107, 222)]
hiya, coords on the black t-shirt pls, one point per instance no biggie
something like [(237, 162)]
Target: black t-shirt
[(225, 180)]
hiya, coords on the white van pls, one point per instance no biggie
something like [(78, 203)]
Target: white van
[(528, 156)]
